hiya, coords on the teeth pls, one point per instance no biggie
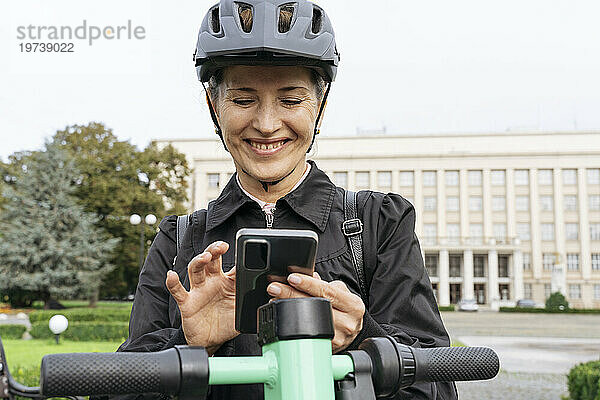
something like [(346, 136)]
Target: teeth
[(269, 146)]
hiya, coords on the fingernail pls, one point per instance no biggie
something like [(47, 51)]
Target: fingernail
[(274, 290), (295, 279)]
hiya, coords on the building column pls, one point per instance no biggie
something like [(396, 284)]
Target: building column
[(511, 226), (534, 209), (560, 268), (441, 207), (487, 205), (517, 273), (494, 293), (468, 290), (351, 180), (584, 225), (418, 181), (373, 180), (444, 282), (396, 181), (464, 209)]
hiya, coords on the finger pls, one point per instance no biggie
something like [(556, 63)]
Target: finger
[(282, 291), (175, 287), (231, 273), (316, 275), (216, 250), (338, 297), (197, 269)]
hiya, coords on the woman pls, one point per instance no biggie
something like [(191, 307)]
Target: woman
[(269, 66)]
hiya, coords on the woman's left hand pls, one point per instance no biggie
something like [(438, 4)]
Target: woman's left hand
[(348, 308)]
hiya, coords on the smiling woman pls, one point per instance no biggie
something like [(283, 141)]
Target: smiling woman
[(269, 65)]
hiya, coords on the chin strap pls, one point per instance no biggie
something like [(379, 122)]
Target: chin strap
[(214, 118), (319, 116), (265, 184)]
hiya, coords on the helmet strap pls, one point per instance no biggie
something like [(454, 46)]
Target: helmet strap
[(213, 115), (265, 184), (321, 107)]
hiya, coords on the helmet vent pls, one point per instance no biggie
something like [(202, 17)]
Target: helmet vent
[(245, 15), (286, 14), (317, 19), (215, 25)]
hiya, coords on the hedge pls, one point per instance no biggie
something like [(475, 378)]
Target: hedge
[(85, 331), (83, 314), (446, 308), (544, 310), (583, 381), (12, 331)]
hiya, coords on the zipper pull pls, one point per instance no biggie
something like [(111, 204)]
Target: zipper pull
[(269, 218)]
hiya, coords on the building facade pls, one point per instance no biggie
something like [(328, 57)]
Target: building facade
[(500, 217)]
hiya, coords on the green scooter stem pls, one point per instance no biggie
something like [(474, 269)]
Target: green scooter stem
[(299, 369)]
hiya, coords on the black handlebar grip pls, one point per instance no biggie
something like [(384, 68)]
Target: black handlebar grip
[(84, 374), (455, 364)]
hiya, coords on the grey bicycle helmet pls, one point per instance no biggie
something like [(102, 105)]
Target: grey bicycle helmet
[(306, 39)]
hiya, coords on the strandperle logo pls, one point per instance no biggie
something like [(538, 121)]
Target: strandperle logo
[(84, 31)]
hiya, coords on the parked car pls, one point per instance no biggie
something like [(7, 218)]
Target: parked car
[(525, 303), (468, 305)]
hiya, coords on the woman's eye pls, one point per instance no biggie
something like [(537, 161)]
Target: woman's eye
[(242, 102), (291, 102)]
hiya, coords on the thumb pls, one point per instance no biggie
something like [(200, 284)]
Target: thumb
[(175, 287), (231, 273)]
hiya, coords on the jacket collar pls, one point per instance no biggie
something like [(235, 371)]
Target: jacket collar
[(311, 200)]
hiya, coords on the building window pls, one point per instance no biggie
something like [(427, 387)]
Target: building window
[(548, 260), (593, 176), (547, 231), (596, 261), (569, 176), (498, 177), (595, 231), (573, 262), (474, 178), (522, 203), (498, 203), (454, 262), (545, 177), (524, 231), (527, 290), (475, 203), (547, 290), (526, 261), (430, 233), (453, 233), (340, 179), (499, 232), (431, 262), (362, 179), (521, 177), (451, 203), (451, 178), (407, 178), (597, 292), (503, 266), (594, 202), (476, 233), (570, 202), (429, 178), (572, 231), (574, 291), (213, 180), (384, 179), (479, 266), (429, 203), (546, 203)]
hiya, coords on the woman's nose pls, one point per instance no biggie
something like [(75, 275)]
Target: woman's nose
[(266, 120)]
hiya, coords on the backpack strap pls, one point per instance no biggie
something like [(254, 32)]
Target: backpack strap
[(352, 228), (182, 225)]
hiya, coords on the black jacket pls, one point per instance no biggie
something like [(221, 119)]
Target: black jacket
[(401, 302)]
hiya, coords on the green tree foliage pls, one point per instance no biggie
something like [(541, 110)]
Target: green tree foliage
[(51, 247), (118, 180), (557, 302)]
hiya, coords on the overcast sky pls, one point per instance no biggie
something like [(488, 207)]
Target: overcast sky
[(409, 66)]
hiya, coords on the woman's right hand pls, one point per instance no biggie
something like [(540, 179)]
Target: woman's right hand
[(208, 309)]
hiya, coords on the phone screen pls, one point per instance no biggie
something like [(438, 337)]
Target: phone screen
[(264, 256)]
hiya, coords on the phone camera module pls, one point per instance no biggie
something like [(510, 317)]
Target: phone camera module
[(256, 254)]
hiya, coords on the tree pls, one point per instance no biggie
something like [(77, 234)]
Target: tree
[(118, 180), (557, 302), (51, 247)]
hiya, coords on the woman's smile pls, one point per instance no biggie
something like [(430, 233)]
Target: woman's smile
[(269, 147)]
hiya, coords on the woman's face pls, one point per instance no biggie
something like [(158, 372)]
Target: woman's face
[(267, 115)]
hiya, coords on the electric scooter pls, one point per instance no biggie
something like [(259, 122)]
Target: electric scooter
[(296, 364)]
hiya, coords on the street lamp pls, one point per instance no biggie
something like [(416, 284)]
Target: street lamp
[(135, 219)]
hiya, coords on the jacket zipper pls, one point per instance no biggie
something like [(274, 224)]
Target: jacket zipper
[(269, 218)]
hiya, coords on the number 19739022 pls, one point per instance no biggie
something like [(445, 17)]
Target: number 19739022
[(36, 47)]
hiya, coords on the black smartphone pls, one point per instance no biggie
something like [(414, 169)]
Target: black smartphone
[(263, 256)]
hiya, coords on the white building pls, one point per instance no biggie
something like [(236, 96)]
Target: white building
[(499, 216)]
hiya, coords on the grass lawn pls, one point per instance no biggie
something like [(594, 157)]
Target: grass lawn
[(29, 353), (85, 303)]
